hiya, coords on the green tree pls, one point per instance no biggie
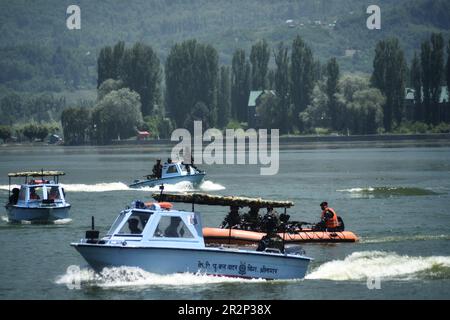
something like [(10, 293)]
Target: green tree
[(240, 85), (41, 132), (316, 115), (365, 114), (331, 90), (105, 66), (107, 86), (5, 133), (389, 70), (425, 61), (302, 76), (268, 111), (76, 123), (259, 57), (447, 68), (437, 74), (416, 82), (199, 112), (141, 72), (117, 115), (191, 76), (30, 131), (11, 109), (281, 83), (223, 97)]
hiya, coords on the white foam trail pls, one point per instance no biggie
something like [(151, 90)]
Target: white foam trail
[(187, 186), (357, 190), (372, 264), (63, 221), (211, 186), (405, 238), (177, 187), (5, 187), (120, 186), (98, 187), (59, 221), (132, 277)]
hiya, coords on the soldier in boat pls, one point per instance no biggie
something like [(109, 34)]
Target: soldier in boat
[(157, 169), (14, 196), (271, 240), (252, 220), (232, 220)]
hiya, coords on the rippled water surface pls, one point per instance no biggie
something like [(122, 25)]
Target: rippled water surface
[(395, 199)]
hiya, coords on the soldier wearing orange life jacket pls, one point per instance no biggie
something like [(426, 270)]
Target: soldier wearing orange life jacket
[(329, 219)]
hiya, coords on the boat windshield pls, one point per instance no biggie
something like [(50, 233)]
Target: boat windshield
[(172, 227), (53, 193), (172, 169), (135, 223), (36, 193), (116, 223)]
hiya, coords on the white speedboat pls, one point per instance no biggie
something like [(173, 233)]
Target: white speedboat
[(172, 173), (162, 240), (38, 199)]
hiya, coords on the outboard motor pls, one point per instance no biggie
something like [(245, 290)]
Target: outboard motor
[(92, 235)]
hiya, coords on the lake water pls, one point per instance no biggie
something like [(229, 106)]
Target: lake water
[(395, 198)]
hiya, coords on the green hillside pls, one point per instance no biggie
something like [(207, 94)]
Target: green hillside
[(38, 52)]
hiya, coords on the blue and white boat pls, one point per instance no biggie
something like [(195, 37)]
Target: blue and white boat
[(162, 240), (172, 173), (38, 199)]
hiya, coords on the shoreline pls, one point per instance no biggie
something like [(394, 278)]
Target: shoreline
[(301, 139), (327, 138)]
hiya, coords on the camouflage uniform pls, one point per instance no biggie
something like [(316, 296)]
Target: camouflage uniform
[(252, 220), (232, 219)]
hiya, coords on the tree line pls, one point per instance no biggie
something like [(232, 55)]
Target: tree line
[(307, 95)]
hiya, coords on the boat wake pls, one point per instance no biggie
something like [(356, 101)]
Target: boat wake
[(59, 221), (387, 192), (119, 186), (385, 265), (405, 238), (136, 277)]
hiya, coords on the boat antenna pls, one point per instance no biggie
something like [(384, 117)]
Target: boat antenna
[(92, 223), (161, 187)]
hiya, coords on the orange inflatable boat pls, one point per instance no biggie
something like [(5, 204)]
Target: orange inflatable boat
[(236, 236), (240, 236)]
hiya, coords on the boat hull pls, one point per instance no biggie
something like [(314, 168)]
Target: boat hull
[(195, 179), (211, 261), (236, 236), (37, 214)]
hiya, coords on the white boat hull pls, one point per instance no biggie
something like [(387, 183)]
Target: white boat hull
[(211, 261), (37, 214)]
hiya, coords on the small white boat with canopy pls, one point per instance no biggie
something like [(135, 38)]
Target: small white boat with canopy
[(172, 173), (40, 198)]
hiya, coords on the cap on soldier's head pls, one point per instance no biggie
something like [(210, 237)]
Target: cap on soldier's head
[(324, 204)]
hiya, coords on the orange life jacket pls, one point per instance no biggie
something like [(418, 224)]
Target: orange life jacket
[(331, 222), (163, 205)]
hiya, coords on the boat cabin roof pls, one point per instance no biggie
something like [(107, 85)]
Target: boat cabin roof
[(153, 225), (36, 174), (232, 201)]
